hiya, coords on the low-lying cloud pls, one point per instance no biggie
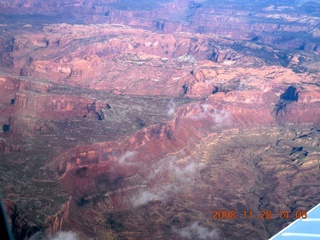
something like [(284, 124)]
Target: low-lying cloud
[(219, 116), (57, 236), (146, 196), (126, 158), (64, 236), (171, 108), (168, 176), (196, 231)]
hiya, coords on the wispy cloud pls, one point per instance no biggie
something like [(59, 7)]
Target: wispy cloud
[(185, 172), (126, 158), (175, 176), (196, 231), (171, 108), (57, 236), (64, 236), (219, 116), (144, 197)]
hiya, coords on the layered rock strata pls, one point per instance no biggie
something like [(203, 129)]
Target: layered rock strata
[(140, 126)]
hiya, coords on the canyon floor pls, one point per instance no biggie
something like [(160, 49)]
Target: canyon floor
[(171, 120)]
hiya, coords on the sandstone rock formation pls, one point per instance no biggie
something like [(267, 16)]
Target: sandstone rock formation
[(136, 121)]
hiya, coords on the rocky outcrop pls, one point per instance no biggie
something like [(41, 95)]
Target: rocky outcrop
[(56, 223), (30, 104), (19, 226)]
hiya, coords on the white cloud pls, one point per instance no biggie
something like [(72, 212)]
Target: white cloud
[(57, 236), (205, 108), (64, 236), (171, 108), (176, 175), (220, 117), (143, 198), (196, 231), (184, 173), (126, 158), (156, 193)]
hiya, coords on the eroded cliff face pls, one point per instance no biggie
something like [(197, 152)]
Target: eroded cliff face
[(163, 169), (140, 123)]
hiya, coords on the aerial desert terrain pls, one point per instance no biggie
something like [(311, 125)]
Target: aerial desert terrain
[(165, 119)]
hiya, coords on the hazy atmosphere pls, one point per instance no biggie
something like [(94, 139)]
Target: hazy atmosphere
[(162, 119)]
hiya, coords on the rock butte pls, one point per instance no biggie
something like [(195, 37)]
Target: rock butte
[(137, 120)]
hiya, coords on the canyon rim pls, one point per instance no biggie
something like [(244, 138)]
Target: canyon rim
[(166, 119)]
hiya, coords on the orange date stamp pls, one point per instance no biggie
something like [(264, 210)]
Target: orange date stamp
[(262, 214)]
